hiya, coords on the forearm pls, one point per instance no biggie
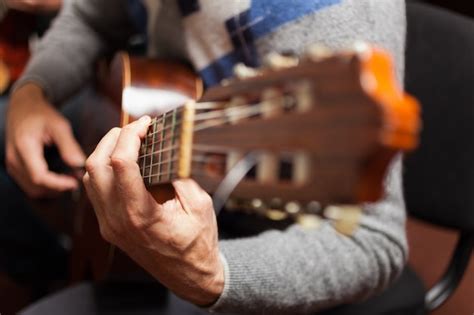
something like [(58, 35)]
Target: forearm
[(63, 60), (302, 271)]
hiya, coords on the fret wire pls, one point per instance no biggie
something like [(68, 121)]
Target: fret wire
[(173, 124), (255, 110), (174, 171), (196, 158), (196, 147), (152, 150), (161, 145), (241, 112), (222, 113), (145, 146), (169, 127), (157, 152)]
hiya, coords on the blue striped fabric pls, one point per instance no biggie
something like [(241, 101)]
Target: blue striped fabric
[(245, 28)]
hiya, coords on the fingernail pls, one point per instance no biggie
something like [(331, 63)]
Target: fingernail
[(145, 119)]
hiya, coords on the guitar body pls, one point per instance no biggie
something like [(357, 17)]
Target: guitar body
[(92, 257), (325, 129), (15, 30)]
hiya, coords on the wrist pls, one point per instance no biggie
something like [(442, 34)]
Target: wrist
[(212, 287), (30, 90)]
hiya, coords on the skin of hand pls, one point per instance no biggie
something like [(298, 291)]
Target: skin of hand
[(31, 124), (34, 5), (177, 241)]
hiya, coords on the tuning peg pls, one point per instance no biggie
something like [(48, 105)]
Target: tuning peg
[(277, 61), (258, 206), (316, 52), (313, 207), (361, 47), (345, 218), (293, 207), (309, 221), (276, 214), (241, 71)]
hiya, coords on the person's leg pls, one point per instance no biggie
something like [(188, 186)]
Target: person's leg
[(30, 252)]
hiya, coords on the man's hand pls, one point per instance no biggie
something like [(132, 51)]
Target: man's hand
[(31, 124), (34, 5), (176, 241)]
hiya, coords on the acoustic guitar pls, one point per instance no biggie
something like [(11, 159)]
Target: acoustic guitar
[(15, 30), (322, 131)]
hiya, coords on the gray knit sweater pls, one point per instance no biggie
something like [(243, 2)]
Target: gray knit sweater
[(292, 271)]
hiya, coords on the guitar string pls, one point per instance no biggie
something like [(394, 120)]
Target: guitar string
[(241, 114), (196, 158), (224, 113)]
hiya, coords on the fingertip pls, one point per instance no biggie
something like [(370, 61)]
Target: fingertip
[(145, 119)]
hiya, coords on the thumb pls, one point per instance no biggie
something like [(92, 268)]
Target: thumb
[(68, 147)]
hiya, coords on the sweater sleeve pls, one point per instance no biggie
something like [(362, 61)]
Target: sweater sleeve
[(63, 60), (303, 271)]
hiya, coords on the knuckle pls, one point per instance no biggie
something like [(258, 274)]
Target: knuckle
[(115, 130), (118, 163), (179, 245), (63, 124), (127, 128), (86, 179), (90, 166), (135, 223), (36, 179)]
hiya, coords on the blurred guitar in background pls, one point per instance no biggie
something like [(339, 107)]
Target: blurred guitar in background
[(16, 29)]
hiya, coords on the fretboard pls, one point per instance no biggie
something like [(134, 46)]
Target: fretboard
[(158, 158)]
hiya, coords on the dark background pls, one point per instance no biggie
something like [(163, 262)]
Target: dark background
[(465, 7)]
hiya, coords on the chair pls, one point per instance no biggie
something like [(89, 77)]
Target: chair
[(439, 179), (439, 176)]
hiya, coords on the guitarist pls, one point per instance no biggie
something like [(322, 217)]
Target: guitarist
[(30, 253), (290, 271)]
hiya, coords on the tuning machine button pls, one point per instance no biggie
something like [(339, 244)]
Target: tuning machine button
[(242, 71), (314, 207), (276, 214), (292, 207), (317, 52), (309, 221), (345, 219), (277, 61), (361, 47)]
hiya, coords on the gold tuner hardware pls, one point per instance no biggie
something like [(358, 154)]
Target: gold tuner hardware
[(277, 61), (276, 214), (361, 47), (292, 207), (317, 52), (258, 206), (313, 207), (309, 221), (241, 71), (345, 219)]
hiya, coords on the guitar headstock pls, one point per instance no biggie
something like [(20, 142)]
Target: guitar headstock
[(326, 127)]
